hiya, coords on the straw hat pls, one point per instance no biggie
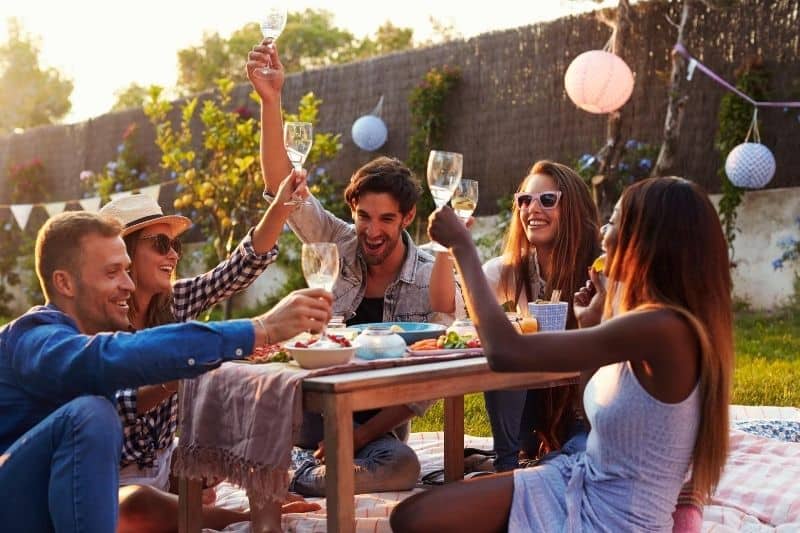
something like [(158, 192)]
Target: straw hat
[(139, 210)]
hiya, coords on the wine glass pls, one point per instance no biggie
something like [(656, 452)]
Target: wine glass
[(320, 262), (272, 24), (444, 174), (297, 138), (465, 198)]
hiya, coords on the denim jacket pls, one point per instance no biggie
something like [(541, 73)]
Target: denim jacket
[(406, 299)]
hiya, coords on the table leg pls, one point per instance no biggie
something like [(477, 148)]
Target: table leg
[(265, 516), (453, 438), (190, 507), (340, 484)]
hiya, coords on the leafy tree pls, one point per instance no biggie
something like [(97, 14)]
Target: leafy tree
[(131, 97), (216, 57), (219, 178), (309, 40), (29, 95), (388, 38)]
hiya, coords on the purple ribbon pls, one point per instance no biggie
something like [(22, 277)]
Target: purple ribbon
[(680, 49)]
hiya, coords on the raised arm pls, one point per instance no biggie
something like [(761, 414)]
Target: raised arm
[(442, 287), (268, 229), (274, 161)]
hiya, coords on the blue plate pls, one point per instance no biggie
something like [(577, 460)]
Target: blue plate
[(412, 331)]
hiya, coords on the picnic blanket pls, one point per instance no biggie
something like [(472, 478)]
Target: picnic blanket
[(759, 491)]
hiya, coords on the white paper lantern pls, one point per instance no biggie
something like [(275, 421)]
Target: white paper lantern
[(750, 165), (369, 132), (598, 81)]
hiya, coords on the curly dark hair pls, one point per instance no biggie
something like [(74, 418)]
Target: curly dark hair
[(384, 174)]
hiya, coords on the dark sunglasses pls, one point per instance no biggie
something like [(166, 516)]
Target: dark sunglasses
[(547, 199), (162, 244)]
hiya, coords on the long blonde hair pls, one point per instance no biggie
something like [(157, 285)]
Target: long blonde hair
[(666, 227)]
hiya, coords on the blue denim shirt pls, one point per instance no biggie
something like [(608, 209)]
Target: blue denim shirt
[(45, 361)]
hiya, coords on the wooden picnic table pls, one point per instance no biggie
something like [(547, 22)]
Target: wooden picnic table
[(336, 397)]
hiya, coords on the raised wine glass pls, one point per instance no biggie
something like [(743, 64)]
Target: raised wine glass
[(272, 23), (444, 174), (465, 198), (297, 138), (320, 261)]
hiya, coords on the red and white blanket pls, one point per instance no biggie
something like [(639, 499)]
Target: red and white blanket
[(759, 491)]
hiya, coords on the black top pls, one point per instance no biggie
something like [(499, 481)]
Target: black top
[(368, 311)]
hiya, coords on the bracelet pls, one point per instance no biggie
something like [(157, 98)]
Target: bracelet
[(259, 321)]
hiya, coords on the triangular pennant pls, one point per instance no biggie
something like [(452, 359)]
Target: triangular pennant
[(54, 208), (152, 191), (22, 213), (118, 195), (91, 204)]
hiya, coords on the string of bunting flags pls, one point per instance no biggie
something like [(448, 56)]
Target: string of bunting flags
[(749, 165), (21, 213)]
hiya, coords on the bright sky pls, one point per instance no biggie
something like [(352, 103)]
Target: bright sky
[(104, 45)]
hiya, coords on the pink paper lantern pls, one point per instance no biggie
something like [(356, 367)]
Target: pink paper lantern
[(598, 81)]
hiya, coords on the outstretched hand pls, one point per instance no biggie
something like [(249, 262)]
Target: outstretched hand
[(588, 302), (299, 311), (447, 229), (264, 55)]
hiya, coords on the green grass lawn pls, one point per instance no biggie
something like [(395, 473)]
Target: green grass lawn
[(767, 370)]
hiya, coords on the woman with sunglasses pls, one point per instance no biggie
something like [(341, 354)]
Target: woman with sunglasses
[(658, 364), (552, 239), (149, 414)]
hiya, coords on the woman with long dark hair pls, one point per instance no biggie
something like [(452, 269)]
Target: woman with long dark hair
[(659, 364)]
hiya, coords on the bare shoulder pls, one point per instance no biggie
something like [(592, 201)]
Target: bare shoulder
[(657, 333)]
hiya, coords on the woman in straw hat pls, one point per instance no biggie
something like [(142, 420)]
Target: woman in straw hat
[(658, 366), (149, 414)]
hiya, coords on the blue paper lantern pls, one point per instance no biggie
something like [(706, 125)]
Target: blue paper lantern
[(369, 132), (750, 165)]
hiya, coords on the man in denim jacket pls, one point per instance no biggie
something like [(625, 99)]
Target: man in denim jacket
[(383, 277), (60, 435)]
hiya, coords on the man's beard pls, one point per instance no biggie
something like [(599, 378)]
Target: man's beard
[(372, 259)]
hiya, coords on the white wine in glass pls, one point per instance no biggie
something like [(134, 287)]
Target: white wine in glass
[(465, 198), (444, 174), (272, 23), (320, 261), (298, 137)]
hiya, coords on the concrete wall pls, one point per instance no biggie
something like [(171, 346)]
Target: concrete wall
[(764, 218)]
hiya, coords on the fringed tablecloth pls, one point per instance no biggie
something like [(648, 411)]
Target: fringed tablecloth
[(239, 421)]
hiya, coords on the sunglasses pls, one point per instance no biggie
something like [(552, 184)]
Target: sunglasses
[(547, 199), (162, 244)]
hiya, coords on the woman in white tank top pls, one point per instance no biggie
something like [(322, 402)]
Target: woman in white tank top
[(658, 370)]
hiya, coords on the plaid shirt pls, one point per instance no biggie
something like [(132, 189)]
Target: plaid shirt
[(154, 430)]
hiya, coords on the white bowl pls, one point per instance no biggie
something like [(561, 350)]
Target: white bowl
[(320, 358)]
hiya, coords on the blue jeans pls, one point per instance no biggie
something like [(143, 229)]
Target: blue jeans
[(513, 414), (62, 474), (385, 464)]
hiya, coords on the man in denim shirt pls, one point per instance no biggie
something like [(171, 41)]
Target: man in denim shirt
[(383, 277), (60, 435)]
